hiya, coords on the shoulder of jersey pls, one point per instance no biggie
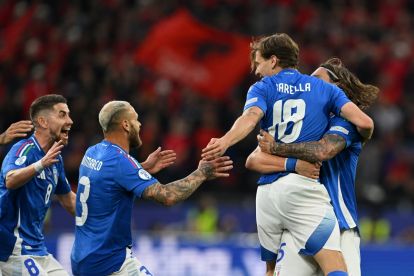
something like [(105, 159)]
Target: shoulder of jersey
[(22, 149), (264, 82), (123, 155)]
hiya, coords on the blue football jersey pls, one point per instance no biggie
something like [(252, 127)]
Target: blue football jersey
[(338, 174), (23, 210), (109, 180), (296, 108)]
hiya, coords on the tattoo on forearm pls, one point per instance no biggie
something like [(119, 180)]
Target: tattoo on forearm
[(206, 169), (179, 190), (324, 149)]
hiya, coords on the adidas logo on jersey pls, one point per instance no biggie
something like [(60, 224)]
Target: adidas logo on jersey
[(42, 175)]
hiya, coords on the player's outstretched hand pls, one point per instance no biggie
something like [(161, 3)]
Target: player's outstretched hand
[(307, 169), (266, 142), (52, 154), (158, 160), (214, 167), (16, 130), (215, 148)]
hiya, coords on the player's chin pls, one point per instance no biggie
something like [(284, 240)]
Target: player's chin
[(64, 139)]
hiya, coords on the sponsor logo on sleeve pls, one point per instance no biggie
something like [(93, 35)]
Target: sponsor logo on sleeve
[(144, 175)]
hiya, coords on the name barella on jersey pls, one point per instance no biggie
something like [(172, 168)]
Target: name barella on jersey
[(109, 180), (338, 173), (22, 211), (296, 108)]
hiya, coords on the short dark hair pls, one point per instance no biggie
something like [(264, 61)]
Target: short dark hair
[(280, 45), (45, 103)]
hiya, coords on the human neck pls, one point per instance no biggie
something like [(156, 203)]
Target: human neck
[(118, 139), (45, 141)]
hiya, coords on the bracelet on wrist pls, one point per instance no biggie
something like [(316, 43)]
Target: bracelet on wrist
[(290, 164), (38, 166)]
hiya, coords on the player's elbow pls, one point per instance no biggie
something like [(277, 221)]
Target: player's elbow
[(367, 124), (10, 182), (324, 155), (251, 162)]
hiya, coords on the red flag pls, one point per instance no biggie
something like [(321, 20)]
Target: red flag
[(207, 60)]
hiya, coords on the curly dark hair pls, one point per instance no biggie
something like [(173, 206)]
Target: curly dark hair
[(363, 95)]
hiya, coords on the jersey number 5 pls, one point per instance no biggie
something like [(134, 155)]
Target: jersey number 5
[(83, 197), (292, 111)]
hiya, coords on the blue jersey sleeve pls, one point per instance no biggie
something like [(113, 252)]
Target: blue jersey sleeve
[(344, 129), (256, 96), (133, 177), (19, 156), (338, 99), (63, 186)]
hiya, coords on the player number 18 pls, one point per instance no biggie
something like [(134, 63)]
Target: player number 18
[(293, 111)]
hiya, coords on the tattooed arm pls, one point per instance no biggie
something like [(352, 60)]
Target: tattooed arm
[(324, 149), (174, 192)]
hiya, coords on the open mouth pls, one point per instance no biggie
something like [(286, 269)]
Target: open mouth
[(65, 132)]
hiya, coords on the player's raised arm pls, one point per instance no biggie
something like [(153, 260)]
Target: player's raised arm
[(240, 129), (362, 121), (176, 191), (17, 178), (16, 130)]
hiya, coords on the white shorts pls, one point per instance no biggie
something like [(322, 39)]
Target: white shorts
[(132, 267), (28, 265), (300, 205), (289, 262)]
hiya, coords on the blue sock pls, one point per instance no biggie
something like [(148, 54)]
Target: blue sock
[(337, 273)]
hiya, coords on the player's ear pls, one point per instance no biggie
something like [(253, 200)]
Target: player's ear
[(125, 125), (275, 61), (41, 121)]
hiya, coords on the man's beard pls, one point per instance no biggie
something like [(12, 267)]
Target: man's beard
[(134, 139)]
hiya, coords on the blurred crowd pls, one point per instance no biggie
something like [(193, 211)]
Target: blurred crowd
[(84, 50)]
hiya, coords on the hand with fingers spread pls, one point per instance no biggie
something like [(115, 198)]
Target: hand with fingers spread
[(266, 142), (307, 169), (159, 160), (215, 167), (215, 148), (16, 130), (52, 154)]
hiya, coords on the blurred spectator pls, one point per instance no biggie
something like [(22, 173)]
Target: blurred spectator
[(203, 219)]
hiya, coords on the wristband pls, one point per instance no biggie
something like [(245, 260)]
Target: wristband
[(290, 164), (38, 166)]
